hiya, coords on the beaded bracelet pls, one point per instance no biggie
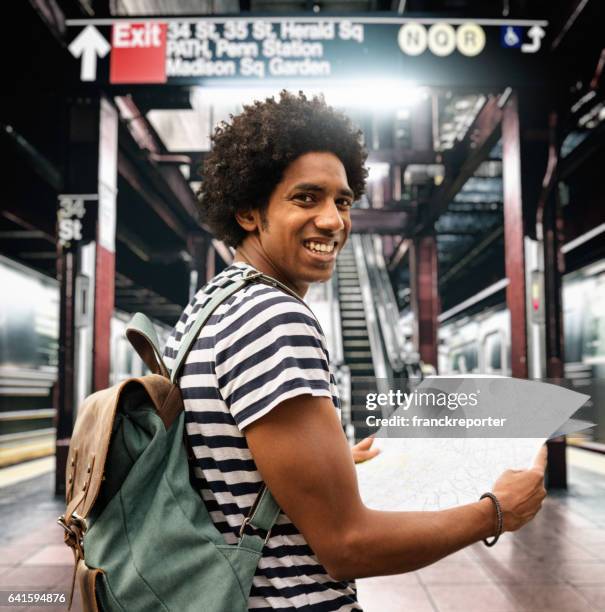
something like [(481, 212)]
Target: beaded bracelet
[(500, 518)]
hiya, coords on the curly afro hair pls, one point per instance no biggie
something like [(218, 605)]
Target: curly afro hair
[(251, 153)]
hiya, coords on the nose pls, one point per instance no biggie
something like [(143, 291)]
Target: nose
[(329, 217)]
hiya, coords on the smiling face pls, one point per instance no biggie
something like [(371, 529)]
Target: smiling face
[(306, 223)]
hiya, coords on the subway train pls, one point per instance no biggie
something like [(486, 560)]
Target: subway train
[(480, 343), (29, 343)]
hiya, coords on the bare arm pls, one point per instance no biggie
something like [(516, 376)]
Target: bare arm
[(303, 456)]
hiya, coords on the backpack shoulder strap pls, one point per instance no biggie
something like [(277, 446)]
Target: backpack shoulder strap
[(264, 512), (262, 515), (200, 320)]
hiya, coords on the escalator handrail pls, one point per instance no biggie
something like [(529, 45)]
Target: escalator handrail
[(372, 325), (386, 305), (332, 295)]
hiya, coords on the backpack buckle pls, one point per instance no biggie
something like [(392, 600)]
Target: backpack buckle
[(242, 529), (74, 529), (251, 274)]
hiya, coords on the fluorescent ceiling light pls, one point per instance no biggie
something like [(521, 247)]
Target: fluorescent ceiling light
[(377, 171), (375, 94), (370, 94)]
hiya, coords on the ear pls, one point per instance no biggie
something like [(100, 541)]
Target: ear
[(248, 219)]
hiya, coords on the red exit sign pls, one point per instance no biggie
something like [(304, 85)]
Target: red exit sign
[(138, 53)]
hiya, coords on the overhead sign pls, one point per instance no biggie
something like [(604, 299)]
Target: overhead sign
[(76, 219), (198, 50)]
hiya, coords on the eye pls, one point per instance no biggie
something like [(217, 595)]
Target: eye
[(306, 198), (344, 202)]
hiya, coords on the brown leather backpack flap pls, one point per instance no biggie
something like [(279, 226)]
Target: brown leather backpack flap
[(86, 579), (90, 440)]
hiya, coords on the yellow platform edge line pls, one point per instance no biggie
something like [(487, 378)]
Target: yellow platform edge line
[(24, 471), (26, 452)]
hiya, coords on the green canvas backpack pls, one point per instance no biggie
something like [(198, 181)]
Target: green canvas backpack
[(141, 535)]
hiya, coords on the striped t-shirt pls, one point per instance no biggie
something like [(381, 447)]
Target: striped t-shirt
[(259, 348)]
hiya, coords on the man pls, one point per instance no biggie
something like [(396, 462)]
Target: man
[(261, 403)]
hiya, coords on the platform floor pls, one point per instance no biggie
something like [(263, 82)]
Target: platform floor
[(555, 564)]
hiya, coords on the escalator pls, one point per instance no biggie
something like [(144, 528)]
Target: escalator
[(359, 315), (363, 346)]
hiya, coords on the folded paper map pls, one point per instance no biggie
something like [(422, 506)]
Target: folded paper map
[(424, 473)]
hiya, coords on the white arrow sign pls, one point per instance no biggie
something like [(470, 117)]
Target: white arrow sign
[(536, 33), (89, 44)]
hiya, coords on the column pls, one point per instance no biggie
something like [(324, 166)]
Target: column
[(530, 209), (85, 262), (425, 296), (513, 236)]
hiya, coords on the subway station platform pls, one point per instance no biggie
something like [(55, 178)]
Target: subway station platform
[(475, 248), (557, 562)]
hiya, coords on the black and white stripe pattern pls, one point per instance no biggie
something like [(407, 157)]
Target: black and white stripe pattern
[(258, 349)]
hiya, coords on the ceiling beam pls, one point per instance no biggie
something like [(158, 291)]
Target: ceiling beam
[(180, 189), (165, 282), (404, 205), (567, 21), (457, 232), (400, 252), (462, 262), (380, 221), (52, 15), (173, 184), (593, 142), (49, 255), (21, 234), (464, 208), (154, 304), (169, 183), (39, 163), (130, 172), (26, 218), (464, 159)]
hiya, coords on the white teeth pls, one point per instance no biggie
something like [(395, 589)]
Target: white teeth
[(319, 247)]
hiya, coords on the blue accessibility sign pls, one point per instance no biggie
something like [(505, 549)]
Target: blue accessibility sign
[(510, 36)]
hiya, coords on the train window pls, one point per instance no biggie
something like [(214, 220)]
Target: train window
[(575, 315), (594, 330), (29, 319), (574, 334), (465, 358), (594, 337), (493, 352)]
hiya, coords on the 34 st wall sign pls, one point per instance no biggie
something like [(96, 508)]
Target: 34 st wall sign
[(180, 51)]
